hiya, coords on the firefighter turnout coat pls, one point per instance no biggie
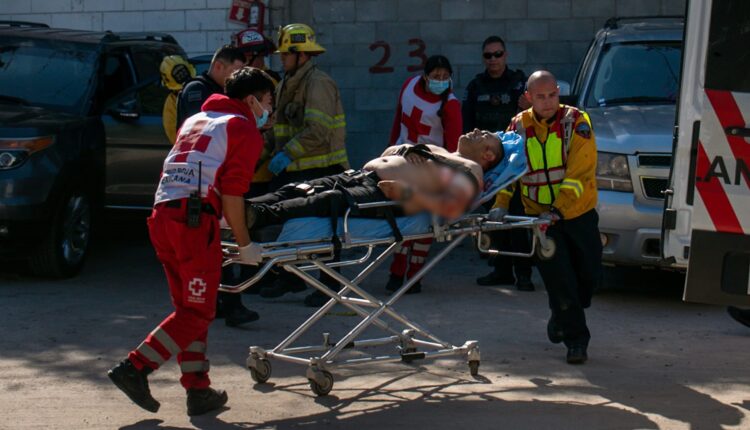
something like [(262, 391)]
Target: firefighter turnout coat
[(561, 157), (310, 125)]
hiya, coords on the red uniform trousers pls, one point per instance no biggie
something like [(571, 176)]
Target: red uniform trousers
[(192, 261), (405, 264)]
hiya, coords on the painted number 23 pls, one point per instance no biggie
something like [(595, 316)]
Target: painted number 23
[(418, 52)]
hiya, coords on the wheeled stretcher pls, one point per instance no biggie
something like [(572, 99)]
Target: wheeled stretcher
[(305, 244)]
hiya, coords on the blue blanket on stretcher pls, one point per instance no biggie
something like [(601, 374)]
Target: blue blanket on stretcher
[(509, 170)]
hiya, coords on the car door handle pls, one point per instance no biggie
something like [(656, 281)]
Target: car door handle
[(737, 131)]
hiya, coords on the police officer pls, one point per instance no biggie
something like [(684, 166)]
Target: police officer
[(225, 61), (491, 100), (560, 186)]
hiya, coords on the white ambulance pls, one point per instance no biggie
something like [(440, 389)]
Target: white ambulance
[(707, 209)]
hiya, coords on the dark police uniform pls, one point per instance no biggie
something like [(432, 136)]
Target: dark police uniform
[(193, 94), (489, 104)]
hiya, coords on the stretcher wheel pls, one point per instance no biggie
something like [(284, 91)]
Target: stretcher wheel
[(546, 252), (474, 367), (326, 387), (406, 359), (261, 372)]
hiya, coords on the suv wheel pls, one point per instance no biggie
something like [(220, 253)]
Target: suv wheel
[(63, 252)]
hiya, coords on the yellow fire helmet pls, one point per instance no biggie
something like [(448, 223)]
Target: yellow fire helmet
[(175, 72), (298, 38)]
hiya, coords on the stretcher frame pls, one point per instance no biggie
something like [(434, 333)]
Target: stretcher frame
[(413, 342)]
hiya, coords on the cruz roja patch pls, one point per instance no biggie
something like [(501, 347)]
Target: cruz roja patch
[(584, 130)]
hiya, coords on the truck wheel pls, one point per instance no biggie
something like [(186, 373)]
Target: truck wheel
[(64, 250)]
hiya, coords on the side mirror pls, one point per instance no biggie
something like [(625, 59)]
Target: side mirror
[(126, 110)]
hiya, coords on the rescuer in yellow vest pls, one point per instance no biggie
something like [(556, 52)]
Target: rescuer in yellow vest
[(561, 186)]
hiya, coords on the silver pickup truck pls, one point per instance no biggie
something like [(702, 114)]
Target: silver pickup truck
[(628, 83)]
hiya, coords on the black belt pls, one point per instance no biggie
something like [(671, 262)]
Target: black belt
[(363, 174), (180, 203)]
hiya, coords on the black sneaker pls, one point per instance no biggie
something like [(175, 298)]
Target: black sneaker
[(134, 384), (742, 316), (577, 355), (415, 289), (394, 282), (495, 278), (523, 283), (239, 315), (205, 400)]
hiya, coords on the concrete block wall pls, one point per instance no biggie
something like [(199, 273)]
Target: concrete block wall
[(551, 34)]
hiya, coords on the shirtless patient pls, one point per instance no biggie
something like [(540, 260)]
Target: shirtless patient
[(445, 186)]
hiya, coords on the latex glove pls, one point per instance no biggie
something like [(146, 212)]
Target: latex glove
[(279, 163), (497, 214), (550, 216), (251, 254)]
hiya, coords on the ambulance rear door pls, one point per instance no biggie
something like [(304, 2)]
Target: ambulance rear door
[(707, 212)]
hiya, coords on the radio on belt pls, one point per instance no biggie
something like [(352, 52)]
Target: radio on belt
[(195, 202)]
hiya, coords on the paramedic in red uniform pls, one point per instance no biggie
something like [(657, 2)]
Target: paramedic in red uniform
[(218, 147), (429, 113)]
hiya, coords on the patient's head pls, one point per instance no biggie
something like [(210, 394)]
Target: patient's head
[(482, 147)]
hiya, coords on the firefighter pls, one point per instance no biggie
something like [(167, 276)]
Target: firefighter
[(310, 127), (561, 187), (204, 177), (308, 132), (175, 72), (491, 100), (427, 112), (225, 61)]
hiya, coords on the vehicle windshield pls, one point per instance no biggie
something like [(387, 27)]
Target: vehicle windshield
[(45, 73), (636, 73)]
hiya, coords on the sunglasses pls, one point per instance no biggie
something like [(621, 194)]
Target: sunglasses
[(496, 54)]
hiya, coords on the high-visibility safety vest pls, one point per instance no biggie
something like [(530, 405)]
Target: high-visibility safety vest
[(561, 156), (547, 158)]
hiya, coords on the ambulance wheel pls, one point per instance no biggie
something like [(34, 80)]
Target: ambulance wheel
[(64, 249), (474, 367), (326, 387), (261, 372), (546, 252)]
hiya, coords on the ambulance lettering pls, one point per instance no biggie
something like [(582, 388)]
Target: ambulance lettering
[(718, 169)]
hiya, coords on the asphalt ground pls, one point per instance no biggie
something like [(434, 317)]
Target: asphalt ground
[(655, 361)]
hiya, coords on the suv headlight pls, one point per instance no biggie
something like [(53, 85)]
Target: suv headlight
[(613, 172), (13, 152)]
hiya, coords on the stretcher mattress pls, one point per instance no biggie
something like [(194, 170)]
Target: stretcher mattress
[(510, 169)]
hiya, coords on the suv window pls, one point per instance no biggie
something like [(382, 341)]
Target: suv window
[(48, 73), (151, 98), (148, 60), (116, 76), (728, 59), (636, 73)]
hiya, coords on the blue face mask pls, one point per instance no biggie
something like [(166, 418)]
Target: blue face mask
[(438, 87), (260, 122)]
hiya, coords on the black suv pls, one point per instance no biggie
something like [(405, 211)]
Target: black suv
[(80, 129)]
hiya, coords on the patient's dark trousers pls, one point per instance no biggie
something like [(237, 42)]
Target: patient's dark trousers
[(331, 197), (572, 275)]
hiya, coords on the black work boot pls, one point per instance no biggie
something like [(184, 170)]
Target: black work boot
[(394, 282), (577, 354), (239, 315), (415, 289), (285, 283), (742, 316), (134, 384), (523, 283), (200, 401), (554, 332)]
